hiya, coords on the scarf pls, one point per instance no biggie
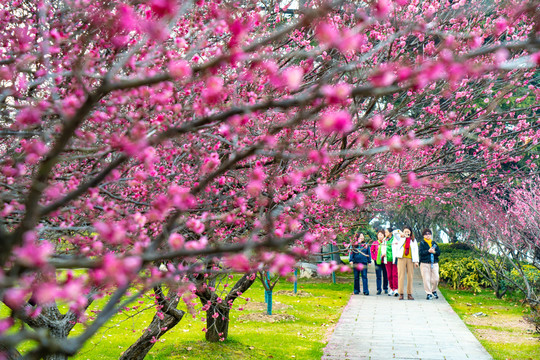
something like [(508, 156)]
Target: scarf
[(379, 253), (407, 246), (431, 256)]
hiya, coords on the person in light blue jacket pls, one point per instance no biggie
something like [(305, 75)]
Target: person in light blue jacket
[(359, 259)]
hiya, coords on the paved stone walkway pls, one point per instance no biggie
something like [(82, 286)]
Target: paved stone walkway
[(383, 327)]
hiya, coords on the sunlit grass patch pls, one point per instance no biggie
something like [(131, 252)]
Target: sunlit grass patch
[(499, 324)]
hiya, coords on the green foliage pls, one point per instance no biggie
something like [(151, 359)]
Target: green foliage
[(369, 233), (531, 273), (460, 266), (457, 247), (464, 272)]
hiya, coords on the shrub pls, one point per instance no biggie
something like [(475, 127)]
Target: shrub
[(463, 272), (460, 246), (531, 273)]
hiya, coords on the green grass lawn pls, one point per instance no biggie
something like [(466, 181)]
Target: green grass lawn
[(302, 324), (503, 332)]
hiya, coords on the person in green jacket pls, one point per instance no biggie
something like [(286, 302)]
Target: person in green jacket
[(391, 262)]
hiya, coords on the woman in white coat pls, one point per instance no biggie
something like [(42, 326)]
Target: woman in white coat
[(407, 260)]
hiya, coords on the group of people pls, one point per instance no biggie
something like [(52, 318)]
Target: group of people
[(396, 253)]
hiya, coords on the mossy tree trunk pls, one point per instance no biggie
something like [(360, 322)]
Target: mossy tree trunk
[(164, 320)]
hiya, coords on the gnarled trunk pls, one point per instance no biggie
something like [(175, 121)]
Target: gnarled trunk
[(58, 324), (158, 327), (217, 322), (55, 357), (217, 313), (9, 353)]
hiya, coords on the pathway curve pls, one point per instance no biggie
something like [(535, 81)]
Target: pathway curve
[(383, 327)]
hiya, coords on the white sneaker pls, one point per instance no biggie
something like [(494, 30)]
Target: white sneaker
[(391, 293)]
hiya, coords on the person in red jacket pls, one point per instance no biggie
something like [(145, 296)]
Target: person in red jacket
[(391, 261), (378, 254)]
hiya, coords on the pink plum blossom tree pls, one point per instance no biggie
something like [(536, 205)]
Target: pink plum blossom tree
[(211, 137)]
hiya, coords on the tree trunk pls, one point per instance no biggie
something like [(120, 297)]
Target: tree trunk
[(218, 326), (58, 324), (55, 357), (158, 327), (217, 315), (156, 330), (9, 353)]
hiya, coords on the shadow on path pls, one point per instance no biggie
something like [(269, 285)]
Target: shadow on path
[(383, 327)]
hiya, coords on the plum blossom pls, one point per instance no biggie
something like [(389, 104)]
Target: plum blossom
[(181, 197), (256, 181), (319, 156), (33, 253), (195, 225), (210, 163), (5, 324), (338, 121), (326, 193), (213, 92), (392, 180), (176, 241), (413, 180), (46, 293), (501, 24), (15, 298), (327, 268), (383, 77), (292, 77), (376, 122), (28, 117), (326, 33), (197, 244), (336, 94), (115, 271), (282, 264), (113, 233), (163, 7), (238, 262), (383, 7), (179, 69)]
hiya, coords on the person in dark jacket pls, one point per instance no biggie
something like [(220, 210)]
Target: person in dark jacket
[(360, 258), (429, 252)]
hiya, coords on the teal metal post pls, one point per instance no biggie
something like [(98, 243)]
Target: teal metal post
[(268, 294), (295, 281), (335, 257), (265, 287), (269, 304)]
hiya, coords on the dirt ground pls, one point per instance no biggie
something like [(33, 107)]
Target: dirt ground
[(515, 324), (505, 336), (518, 330), (260, 306), (299, 293), (266, 318)]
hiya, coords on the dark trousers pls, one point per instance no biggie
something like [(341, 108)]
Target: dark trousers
[(381, 269), (357, 280)]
